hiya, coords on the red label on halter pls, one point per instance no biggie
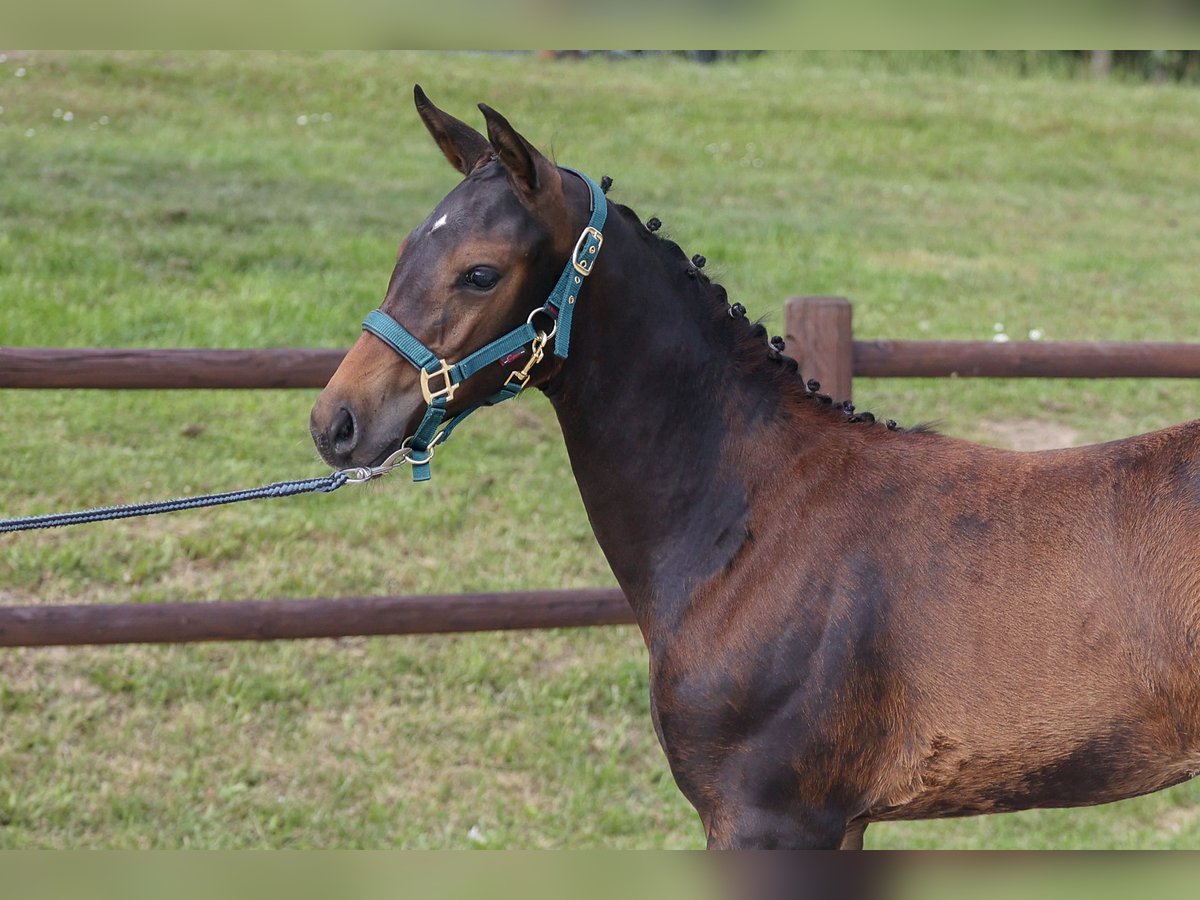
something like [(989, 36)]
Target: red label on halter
[(515, 355)]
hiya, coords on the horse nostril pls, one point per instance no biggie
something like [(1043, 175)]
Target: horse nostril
[(345, 434)]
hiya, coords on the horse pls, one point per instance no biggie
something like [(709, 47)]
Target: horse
[(846, 621)]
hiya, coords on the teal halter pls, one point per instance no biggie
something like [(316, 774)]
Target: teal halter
[(559, 307)]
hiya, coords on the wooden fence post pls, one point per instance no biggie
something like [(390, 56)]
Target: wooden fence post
[(820, 337)]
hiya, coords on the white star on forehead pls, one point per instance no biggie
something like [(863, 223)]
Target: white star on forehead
[(438, 224)]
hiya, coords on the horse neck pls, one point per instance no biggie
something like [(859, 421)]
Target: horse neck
[(667, 434)]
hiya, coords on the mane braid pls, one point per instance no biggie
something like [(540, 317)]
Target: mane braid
[(753, 352)]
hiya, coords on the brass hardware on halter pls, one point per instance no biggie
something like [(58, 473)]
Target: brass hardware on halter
[(535, 356), (584, 266), (446, 390)]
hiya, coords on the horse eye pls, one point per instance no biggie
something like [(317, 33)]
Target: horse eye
[(482, 277)]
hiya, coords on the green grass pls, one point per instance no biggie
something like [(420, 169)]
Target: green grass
[(941, 201)]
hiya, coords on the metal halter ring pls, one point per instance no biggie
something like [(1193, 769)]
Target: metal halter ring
[(399, 457), (554, 322)]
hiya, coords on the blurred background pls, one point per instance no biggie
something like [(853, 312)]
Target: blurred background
[(257, 199)]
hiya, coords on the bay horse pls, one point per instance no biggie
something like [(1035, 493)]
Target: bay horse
[(847, 622)]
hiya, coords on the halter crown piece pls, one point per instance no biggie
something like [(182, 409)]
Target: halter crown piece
[(559, 307)]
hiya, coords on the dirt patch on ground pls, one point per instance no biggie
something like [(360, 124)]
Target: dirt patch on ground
[(1030, 435), (1176, 820)]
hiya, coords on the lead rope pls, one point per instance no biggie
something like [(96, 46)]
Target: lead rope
[(326, 484)]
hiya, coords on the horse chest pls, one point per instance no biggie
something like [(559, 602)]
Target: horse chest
[(789, 716)]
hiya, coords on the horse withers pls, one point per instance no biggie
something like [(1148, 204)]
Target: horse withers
[(847, 621)]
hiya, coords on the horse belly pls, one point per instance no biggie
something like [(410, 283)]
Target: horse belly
[(951, 778), (1091, 696)]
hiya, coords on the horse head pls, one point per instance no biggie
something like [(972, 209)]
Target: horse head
[(478, 267)]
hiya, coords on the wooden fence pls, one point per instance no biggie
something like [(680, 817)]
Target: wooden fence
[(819, 334), (271, 620), (818, 330)]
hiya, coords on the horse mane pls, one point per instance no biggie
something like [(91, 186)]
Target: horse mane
[(755, 353)]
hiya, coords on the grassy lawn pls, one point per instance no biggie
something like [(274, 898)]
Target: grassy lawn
[(257, 200)]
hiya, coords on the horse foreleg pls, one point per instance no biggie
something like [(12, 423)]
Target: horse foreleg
[(853, 838)]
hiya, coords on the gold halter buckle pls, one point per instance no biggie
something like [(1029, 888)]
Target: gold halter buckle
[(584, 266)]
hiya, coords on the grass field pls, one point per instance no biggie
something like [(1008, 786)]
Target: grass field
[(257, 200)]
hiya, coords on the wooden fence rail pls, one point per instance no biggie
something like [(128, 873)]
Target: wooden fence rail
[(818, 331), (88, 367), (272, 620), (819, 334)]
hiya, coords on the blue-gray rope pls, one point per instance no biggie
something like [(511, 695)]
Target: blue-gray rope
[(322, 485)]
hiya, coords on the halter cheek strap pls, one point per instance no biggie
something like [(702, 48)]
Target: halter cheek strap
[(439, 380)]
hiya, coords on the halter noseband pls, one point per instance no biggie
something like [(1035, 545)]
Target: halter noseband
[(559, 307)]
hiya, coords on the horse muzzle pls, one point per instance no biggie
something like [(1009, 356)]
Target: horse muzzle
[(366, 410)]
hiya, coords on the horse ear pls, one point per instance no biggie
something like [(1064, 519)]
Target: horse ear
[(461, 144), (524, 163)]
